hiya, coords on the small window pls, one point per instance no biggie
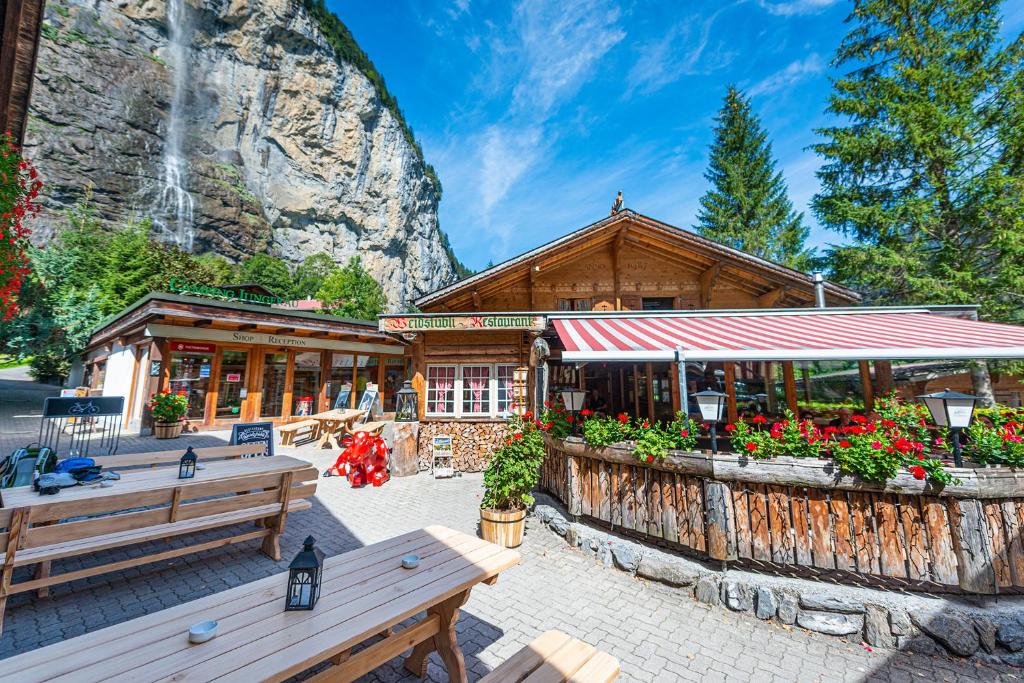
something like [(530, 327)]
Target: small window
[(476, 390), (575, 305), (660, 303), (441, 389), (506, 396)]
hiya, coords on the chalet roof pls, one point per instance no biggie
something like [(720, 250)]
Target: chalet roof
[(20, 22), (630, 218)]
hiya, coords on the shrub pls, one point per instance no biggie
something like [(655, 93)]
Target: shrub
[(556, 420), (168, 407), (1000, 445), (515, 467), (651, 442), (605, 431)]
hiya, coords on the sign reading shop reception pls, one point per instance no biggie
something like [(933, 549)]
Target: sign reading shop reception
[(475, 321)]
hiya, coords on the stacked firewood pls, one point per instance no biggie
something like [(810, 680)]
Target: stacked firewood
[(472, 442)]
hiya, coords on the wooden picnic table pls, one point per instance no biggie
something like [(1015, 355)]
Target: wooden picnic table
[(334, 421), (365, 592)]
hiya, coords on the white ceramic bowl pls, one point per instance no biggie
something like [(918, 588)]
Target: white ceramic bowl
[(411, 561), (202, 632)]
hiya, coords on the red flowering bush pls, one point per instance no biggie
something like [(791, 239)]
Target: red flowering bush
[(605, 431), (557, 419), (908, 418), (999, 445), (787, 437), (514, 469), (683, 431), (19, 187), (168, 407)]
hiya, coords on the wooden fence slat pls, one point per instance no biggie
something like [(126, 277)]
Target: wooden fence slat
[(586, 474), (742, 514), (915, 539), (940, 541), (669, 527), (640, 494), (761, 545), (779, 524), (801, 526), (971, 541), (993, 516), (839, 505), (616, 494), (682, 510), (695, 489), (604, 507), (892, 555), (721, 524), (821, 529), (628, 496), (575, 502), (654, 502), (865, 539), (1013, 515)]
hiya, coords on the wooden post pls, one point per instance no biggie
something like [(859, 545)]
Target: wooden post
[(865, 383), (769, 387), (883, 377), (649, 377), (419, 373), (405, 454), (805, 375), (730, 390), (678, 387), (789, 381), (323, 397), (721, 524), (971, 546)]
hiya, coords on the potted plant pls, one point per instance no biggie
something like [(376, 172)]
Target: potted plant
[(169, 412), (508, 480)]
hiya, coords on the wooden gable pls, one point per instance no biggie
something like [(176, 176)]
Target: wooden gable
[(619, 262), (20, 22)]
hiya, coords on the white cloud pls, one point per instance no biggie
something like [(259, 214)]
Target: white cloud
[(792, 74), (796, 7)]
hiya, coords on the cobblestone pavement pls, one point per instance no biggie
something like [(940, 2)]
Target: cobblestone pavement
[(657, 634)]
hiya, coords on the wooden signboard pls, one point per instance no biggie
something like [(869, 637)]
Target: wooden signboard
[(254, 432)]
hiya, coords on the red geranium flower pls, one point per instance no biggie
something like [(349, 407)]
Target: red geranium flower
[(920, 456), (683, 432), (730, 428), (844, 443), (940, 441), (570, 419), (759, 419), (650, 458), (859, 419), (751, 446), (517, 436), (877, 445), (918, 472), (623, 418), (586, 412)]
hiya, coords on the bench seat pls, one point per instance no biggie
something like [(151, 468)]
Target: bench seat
[(554, 657), (371, 427), (303, 429)]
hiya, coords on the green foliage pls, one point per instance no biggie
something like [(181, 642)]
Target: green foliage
[(684, 432), (605, 431), (999, 445), (311, 275), (651, 442), (347, 50), (748, 206), (926, 171), (462, 271), (786, 437), (556, 420), (268, 271), (352, 292), (221, 271), (514, 469), (168, 407)]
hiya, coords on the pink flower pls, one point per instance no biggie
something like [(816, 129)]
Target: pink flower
[(877, 445)]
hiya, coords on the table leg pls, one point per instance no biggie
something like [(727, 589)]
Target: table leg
[(445, 642), (325, 432)]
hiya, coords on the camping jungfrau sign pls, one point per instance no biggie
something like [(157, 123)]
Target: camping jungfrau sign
[(460, 322)]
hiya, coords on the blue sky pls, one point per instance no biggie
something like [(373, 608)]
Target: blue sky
[(535, 112)]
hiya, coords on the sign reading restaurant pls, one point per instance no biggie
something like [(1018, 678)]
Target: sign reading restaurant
[(460, 322)]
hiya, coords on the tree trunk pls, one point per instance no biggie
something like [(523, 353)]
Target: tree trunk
[(982, 383)]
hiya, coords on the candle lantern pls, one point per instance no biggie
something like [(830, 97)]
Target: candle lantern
[(711, 404), (305, 574), (187, 468), (407, 404), (954, 410), (573, 400)]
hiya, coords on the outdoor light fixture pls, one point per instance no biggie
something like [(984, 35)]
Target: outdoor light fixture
[(573, 401), (711, 404), (305, 574), (407, 403), (187, 468), (954, 410)]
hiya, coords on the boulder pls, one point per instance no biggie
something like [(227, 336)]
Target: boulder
[(788, 608), (830, 623), (876, 627), (626, 556), (918, 644), (706, 590), (766, 604), (737, 596), (828, 603), (604, 555), (1010, 633), (544, 513), (899, 623), (986, 632), (956, 633), (559, 525), (663, 570)]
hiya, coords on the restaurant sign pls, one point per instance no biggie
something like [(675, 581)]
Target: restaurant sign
[(475, 321)]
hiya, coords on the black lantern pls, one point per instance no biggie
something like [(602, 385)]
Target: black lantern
[(304, 576), (711, 404), (407, 404), (954, 410), (187, 468)]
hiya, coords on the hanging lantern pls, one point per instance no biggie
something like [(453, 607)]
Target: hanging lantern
[(305, 574), (407, 403), (187, 468)]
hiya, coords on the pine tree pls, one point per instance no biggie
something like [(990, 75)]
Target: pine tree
[(748, 206), (927, 171)]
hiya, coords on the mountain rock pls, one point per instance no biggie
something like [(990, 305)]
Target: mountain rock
[(237, 128)]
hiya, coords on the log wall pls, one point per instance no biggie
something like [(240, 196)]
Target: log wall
[(730, 509)]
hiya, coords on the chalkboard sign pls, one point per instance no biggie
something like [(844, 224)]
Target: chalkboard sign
[(92, 406), (254, 432), (368, 401), (344, 396)]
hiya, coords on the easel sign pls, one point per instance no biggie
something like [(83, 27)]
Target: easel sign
[(344, 396), (442, 462), (254, 432), (368, 401)]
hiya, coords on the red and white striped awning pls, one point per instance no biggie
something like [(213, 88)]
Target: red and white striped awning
[(801, 334)]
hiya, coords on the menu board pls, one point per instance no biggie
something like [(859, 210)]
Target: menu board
[(254, 432), (368, 401)]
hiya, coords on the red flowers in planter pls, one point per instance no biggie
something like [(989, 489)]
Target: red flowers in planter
[(586, 412), (918, 472), (759, 419), (751, 446), (623, 418), (730, 428)]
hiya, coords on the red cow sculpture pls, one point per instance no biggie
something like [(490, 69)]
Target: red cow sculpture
[(364, 460)]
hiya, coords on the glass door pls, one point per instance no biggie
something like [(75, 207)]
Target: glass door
[(231, 384), (190, 373), (306, 383), (275, 374)]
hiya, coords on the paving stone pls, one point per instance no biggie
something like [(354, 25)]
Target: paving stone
[(831, 623)]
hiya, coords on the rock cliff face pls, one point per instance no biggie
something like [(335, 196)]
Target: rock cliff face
[(235, 127)]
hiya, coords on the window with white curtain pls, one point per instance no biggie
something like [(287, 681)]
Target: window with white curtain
[(469, 390)]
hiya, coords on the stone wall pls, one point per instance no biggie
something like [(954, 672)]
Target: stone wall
[(472, 442)]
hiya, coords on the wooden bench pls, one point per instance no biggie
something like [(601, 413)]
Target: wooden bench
[(173, 457), (149, 503), (371, 427), (554, 657), (306, 430)]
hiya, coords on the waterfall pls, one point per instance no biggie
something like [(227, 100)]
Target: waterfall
[(173, 215)]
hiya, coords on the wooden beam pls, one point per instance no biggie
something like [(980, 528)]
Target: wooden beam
[(204, 322), (883, 377), (247, 326), (730, 390), (320, 335), (789, 383), (476, 299), (283, 330), (865, 383), (707, 282), (617, 265), (772, 298)]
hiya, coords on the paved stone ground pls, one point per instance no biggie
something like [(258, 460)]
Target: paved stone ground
[(656, 634)]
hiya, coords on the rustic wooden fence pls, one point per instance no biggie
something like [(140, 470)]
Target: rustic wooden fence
[(800, 512)]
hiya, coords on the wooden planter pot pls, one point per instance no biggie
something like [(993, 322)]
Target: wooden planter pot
[(504, 527), (167, 430)]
